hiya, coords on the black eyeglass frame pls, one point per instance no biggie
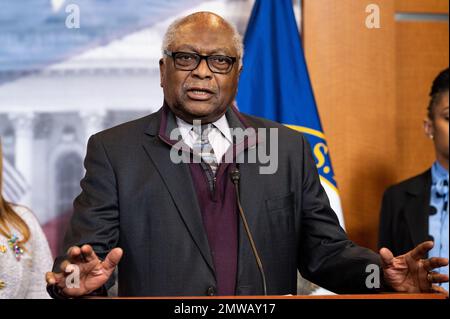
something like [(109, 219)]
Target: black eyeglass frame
[(200, 57)]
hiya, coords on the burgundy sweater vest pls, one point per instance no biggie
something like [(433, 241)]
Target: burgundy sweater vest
[(218, 205)]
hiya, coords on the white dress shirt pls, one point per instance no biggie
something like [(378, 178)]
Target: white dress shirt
[(219, 137)]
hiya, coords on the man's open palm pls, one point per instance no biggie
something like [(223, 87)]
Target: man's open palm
[(93, 273), (410, 273)]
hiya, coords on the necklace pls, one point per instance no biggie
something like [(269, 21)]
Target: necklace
[(15, 245)]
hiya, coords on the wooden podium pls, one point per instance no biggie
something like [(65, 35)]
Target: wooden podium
[(386, 296)]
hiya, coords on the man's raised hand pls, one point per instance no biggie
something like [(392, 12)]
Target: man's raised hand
[(411, 273), (93, 273)]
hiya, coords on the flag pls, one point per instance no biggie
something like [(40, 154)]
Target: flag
[(275, 84), (14, 184)]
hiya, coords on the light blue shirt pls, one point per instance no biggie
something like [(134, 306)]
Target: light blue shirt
[(438, 222)]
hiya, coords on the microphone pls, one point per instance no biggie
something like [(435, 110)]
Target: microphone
[(235, 176)]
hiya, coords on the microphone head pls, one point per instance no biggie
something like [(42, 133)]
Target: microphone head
[(235, 175)]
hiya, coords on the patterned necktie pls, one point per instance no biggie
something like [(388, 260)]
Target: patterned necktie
[(204, 147)]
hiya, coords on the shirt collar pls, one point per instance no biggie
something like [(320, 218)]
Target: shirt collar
[(221, 124), (438, 172)]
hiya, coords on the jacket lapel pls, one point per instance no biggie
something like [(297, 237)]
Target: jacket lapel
[(417, 207), (177, 179)]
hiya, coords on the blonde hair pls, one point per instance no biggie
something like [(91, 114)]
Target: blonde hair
[(8, 217)]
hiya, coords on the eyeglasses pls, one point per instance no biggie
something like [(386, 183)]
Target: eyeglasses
[(188, 61)]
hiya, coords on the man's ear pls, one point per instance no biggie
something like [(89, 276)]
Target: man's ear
[(428, 128), (161, 72)]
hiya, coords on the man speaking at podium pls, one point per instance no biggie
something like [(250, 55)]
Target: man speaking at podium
[(215, 225)]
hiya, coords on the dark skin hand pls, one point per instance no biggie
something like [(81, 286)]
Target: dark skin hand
[(93, 272), (407, 273), (410, 273)]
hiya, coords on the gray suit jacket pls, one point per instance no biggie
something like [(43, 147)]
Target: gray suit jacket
[(135, 198)]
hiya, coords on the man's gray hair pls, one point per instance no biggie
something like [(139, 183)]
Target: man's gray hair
[(169, 36)]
